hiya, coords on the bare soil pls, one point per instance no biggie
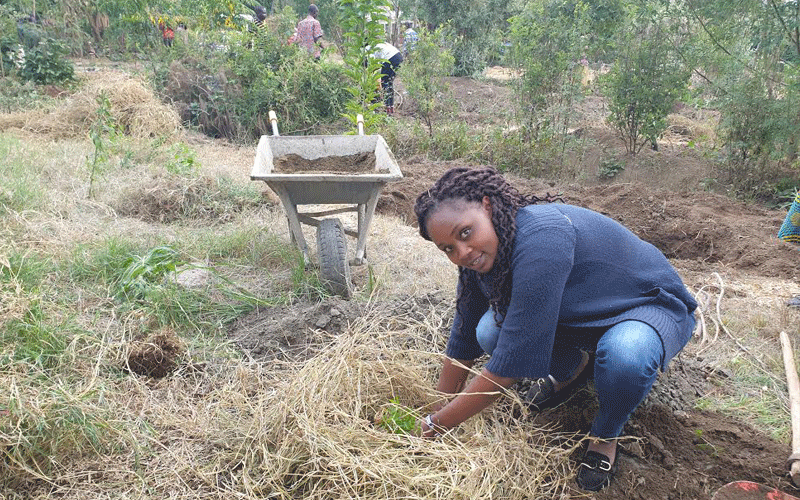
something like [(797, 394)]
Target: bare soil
[(358, 163), (672, 450)]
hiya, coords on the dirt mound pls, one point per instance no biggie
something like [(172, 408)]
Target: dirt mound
[(157, 356), (704, 227), (696, 226)]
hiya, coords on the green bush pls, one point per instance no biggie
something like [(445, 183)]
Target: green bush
[(47, 64), (643, 86), (226, 82), (423, 73), (759, 137)]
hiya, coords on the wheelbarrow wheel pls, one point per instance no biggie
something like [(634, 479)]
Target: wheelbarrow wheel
[(332, 253)]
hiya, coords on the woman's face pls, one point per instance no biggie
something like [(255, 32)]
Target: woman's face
[(464, 231)]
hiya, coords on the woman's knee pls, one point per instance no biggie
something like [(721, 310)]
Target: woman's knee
[(487, 332), (631, 350)]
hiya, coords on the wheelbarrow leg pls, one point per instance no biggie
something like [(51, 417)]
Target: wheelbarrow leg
[(368, 210), (294, 222)]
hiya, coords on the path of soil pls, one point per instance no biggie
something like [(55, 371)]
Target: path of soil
[(674, 450)]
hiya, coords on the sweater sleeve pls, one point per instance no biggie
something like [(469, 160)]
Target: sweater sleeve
[(541, 265), (463, 343)]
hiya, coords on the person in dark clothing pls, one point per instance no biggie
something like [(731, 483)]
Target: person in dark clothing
[(393, 58), (544, 288)]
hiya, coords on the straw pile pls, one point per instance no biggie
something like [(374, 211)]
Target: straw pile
[(135, 108), (316, 438)]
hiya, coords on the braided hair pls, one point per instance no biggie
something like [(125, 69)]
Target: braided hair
[(472, 185)]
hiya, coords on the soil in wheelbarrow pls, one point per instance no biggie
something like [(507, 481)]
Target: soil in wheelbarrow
[(359, 163)]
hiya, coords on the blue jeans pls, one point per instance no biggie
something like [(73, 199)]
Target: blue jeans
[(627, 358)]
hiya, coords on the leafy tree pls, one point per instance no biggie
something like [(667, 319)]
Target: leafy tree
[(750, 55), (473, 29), (644, 84), (362, 31), (545, 49), (423, 74)]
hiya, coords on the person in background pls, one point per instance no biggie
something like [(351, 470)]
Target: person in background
[(410, 39), (790, 232), (308, 33), (542, 288), (167, 35), (393, 58)]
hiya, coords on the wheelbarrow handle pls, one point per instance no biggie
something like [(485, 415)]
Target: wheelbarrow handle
[(273, 119), (360, 122)]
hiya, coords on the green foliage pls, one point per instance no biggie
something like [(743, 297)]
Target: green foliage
[(597, 23), (184, 160), (143, 273), (545, 49), (47, 64), (20, 186), (103, 130), (399, 419), (233, 78), (644, 84), (759, 134), (610, 168), (362, 30), (474, 30), (423, 74), (17, 96)]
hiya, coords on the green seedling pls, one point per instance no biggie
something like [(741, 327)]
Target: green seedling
[(399, 419)]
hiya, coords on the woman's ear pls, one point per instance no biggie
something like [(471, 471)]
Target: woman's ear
[(487, 204)]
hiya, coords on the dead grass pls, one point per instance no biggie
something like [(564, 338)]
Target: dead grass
[(134, 107), (245, 430)]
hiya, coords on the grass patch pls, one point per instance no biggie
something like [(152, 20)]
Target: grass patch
[(20, 187)]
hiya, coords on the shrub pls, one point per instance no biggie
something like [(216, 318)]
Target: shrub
[(643, 86), (422, 74), (47, 64)]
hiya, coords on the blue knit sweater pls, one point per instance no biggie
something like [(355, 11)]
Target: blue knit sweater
[(573, 267)]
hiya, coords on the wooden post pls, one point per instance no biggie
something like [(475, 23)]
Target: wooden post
[(793, 383)]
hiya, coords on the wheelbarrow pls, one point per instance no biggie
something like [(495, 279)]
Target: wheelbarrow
[(358, 190)]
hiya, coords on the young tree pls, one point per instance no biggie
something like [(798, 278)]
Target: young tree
[(644, 83), (362, 26), (423, 76)]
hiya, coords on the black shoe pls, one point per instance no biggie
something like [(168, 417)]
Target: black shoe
[(595, 471), (543, 393)]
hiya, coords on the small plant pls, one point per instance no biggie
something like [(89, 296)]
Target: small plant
[(103, 129), (363, 30), (399, 419), (704, 445), (610, 168), (142, 272), (184, 161)]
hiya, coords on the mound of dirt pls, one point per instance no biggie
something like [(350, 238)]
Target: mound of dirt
[(693, 226), (157, 356)]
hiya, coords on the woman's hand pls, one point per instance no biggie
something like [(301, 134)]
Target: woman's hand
[(429, 428)]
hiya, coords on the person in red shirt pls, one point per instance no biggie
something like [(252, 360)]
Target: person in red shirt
[(167, 35), (309, 32)]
